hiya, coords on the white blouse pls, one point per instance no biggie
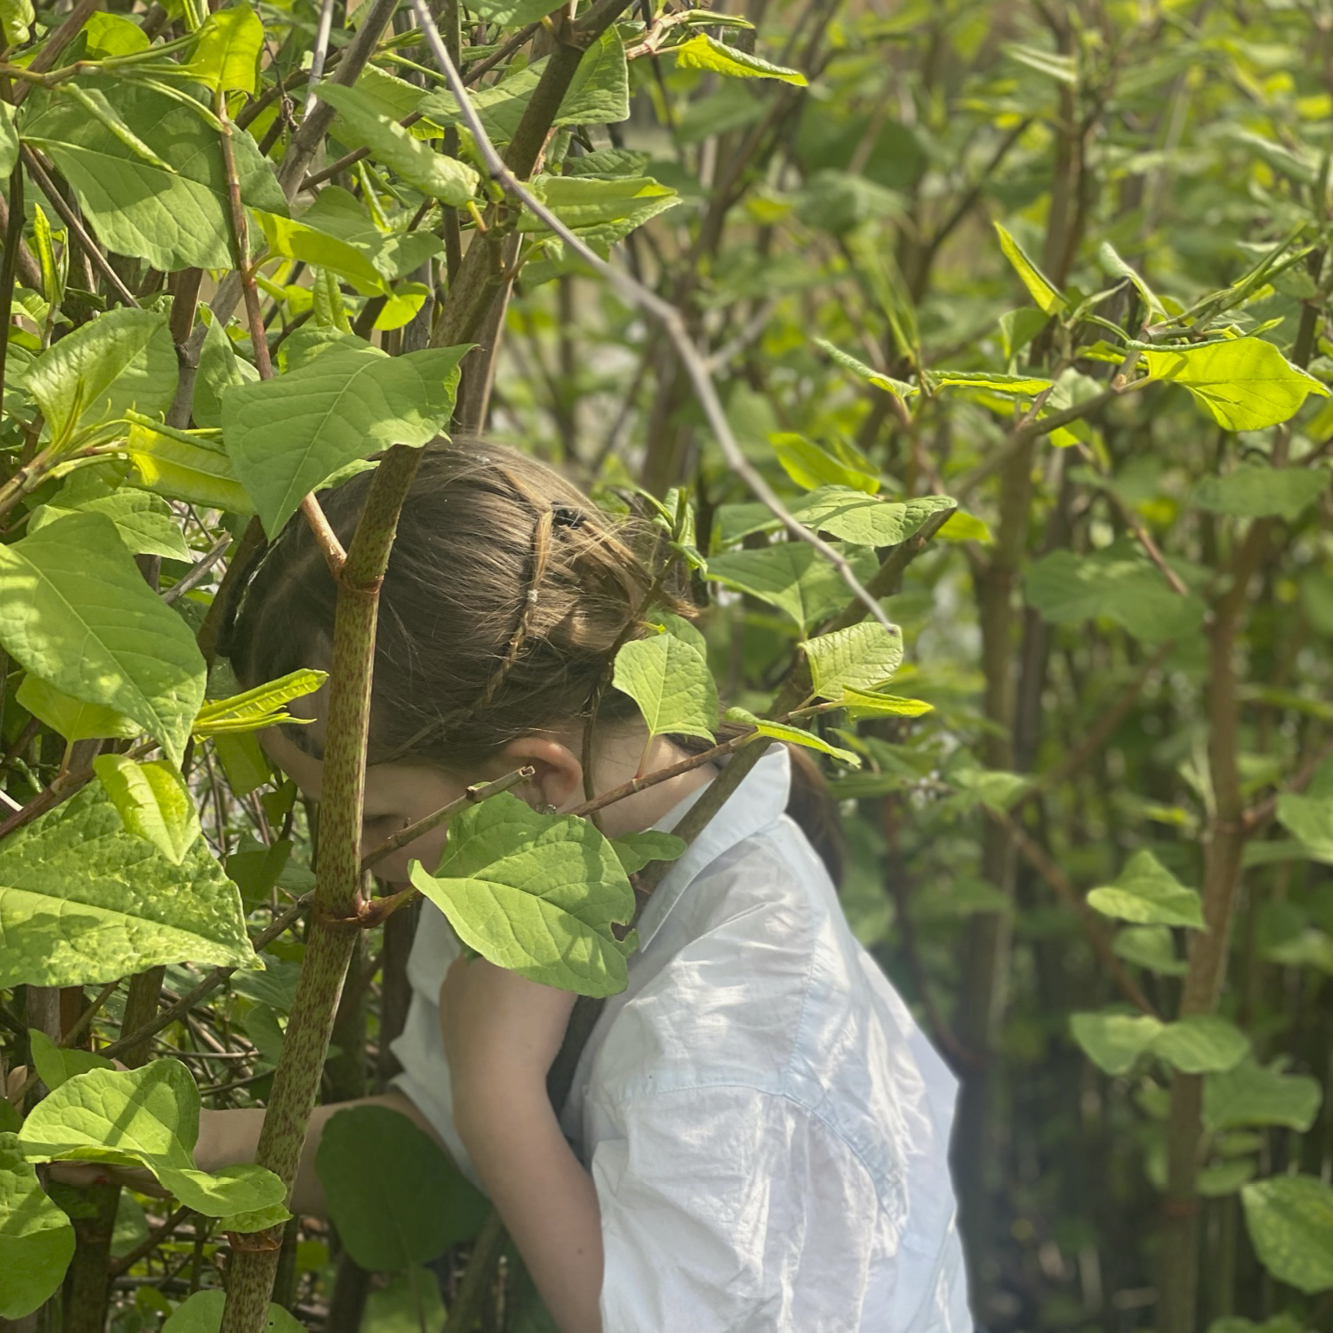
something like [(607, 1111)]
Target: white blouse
[(765, 1125)]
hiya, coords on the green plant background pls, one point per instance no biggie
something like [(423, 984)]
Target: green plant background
[(1064, 267)]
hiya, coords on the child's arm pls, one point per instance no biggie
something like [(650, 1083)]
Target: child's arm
[(501, 1033), (229, 1137)]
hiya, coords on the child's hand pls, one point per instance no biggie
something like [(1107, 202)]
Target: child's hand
[(501, 1031)]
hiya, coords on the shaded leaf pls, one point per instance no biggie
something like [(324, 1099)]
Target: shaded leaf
[(1202, 1044), (1149, 946), (55, 1063), (1290, 1220), (145, 522), (75, 611), (393, 1194), (202, 1313), (636, 850), (1146, 892), (185, 466), (1113, 1042), (792, 576), (1253, 492), (1249, 1095), (1310, 818)]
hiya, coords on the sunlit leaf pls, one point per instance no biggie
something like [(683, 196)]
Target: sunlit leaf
[(83, 901), (145, 522), (259, 707), (705, 52), (857, 658), (154, 802), (36, 1238), (226, 54), (1042, 290), (1243, 384), (671, 683), (535, 893), (145, 1117), (1249, 1095), (781, 731)]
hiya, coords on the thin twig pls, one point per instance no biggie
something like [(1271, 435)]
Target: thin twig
[(197, 572), (1035, 855), (57, 42), (639, 295), (320, 53), (481, 791), (76, 227)]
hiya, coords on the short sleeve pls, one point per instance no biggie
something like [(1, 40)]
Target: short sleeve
[(731, 1210)]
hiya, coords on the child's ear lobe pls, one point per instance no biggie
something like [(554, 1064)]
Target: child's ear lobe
[(558, 779)]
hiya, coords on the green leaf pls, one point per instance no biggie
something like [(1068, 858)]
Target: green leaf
[(131, 1226), (287, 435), (219, 368), (792, 576), (1112, 264), (154, 803), (16, 17), (1147, 893), (636, 850), (75, 611), (145, 523), (411, 1301), (1254, 492), (1013, 386), (55, 1063), (9, 140), (600, 211), (857, 658), (848, 362), (1128, 589), (512, 13), (202, 1313), (174, 218), (122, 359), (145, 1117), (869, 703), (82, 901), (1042, 290), (1113, 1042), (536, 894), (1252, 1095), (682, 629), (1243, 384), (1213, 1182), (780, 731), (598, 94), (1149, 946), (71, 718), (226, 55), (394, 1196), (1310, 818), (435, 174), (1202, 1044), (705, 52), (260, 707), (852, 515), (809, 466), (185, 466), (243, 762), (671, 683), (1290, 1219), (36, 1238)]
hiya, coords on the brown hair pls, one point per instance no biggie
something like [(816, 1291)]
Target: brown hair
[(506, 592)]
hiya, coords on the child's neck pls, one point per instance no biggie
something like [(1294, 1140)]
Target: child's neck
[(623, 759)]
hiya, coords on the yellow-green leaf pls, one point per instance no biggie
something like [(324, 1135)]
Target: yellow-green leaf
[(153, 801), (704, 52), (1042, 290)]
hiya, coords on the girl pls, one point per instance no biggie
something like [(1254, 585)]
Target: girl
[(756, 1137)]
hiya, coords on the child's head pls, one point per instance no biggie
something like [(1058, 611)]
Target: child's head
[(505, 594)]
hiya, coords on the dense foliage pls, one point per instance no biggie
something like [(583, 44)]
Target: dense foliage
[(1022, 313)]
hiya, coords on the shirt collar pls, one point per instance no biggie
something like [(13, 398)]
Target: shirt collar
[(757, 803)]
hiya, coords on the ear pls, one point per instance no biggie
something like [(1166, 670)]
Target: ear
[(558, 780)]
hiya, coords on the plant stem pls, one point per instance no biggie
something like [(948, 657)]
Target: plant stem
[(338, 878), (13, 239)]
